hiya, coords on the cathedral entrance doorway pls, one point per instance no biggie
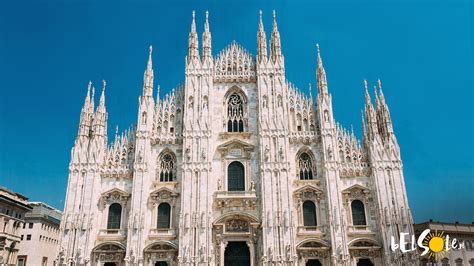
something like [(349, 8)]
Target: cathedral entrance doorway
[(365, 262), (313, 263), (237, 254), (161, 263), (110, 264)]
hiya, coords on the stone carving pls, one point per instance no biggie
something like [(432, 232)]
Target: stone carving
[(236, 226), (234, 63)]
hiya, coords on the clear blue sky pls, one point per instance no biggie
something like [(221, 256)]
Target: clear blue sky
[(421, 50)]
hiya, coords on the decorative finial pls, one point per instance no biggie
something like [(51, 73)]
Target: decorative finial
[(380, 84), (193, 14), (317, 48), (260, 12), (151, 49), (93, 92), (89, 85), (207, 15), (365, 84), (116, 131), (104, 84), (274, 14)]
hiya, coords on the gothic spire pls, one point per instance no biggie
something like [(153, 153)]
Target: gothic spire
[(92, 101), (206, 40), (370, 114), (275, 46), (321, 74), (87, 100), (148, 76), (261, 41), (101, 107), (193, 45)]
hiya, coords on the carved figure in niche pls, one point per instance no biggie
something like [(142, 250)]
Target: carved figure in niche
[(188, 153), (267, 152), (203, 154), (326, 116), (140, 156), (264, 101), (282, 155), (252, 186), (219, 184), (330, 152), (191, 102)]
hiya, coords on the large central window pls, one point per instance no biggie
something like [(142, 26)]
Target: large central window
[(166, 170), (305, 167), (236, 177), (235, 114)]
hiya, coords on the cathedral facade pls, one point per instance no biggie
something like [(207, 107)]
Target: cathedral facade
[(235, 167)]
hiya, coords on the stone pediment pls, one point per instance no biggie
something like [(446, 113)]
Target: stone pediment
[(236, 148), (355, 188), (114, 195), (356, 192), (308, 192), (235, 143), (163, 194)]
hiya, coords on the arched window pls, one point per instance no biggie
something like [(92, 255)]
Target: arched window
[(458, 262), (164, 215), (305, 167), (236, 177), (358, 213), (115, 216), (166, 168), (445, 262), (309, 213), (235, 114)]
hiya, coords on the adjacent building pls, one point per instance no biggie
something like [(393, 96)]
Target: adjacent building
[(13, 207), (40, 236), (464, 233), (236, 166)]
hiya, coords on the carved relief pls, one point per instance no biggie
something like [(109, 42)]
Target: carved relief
[(236, 226)]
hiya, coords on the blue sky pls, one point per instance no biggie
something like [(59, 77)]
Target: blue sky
[(421, 50)]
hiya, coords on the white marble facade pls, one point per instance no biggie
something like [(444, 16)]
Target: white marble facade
[(235, 166)]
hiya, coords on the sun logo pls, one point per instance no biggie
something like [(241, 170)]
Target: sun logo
[(435, 241)]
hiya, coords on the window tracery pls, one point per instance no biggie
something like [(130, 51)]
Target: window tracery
[(166, 169), (305, 167), (235, 113)]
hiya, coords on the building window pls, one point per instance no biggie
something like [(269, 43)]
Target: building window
[(45, 261), (445, 262), (305, 167), (115, 216), (28, 237), (30, 225), (166, 168), (164, 215), (21, 237), (309, 213), (235, 114), (358, 213), (458, 262), (21, 260), (236, 177)]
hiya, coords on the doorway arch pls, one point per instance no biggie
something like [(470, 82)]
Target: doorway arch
[(313, 262), (365, 262), (237, 253)]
